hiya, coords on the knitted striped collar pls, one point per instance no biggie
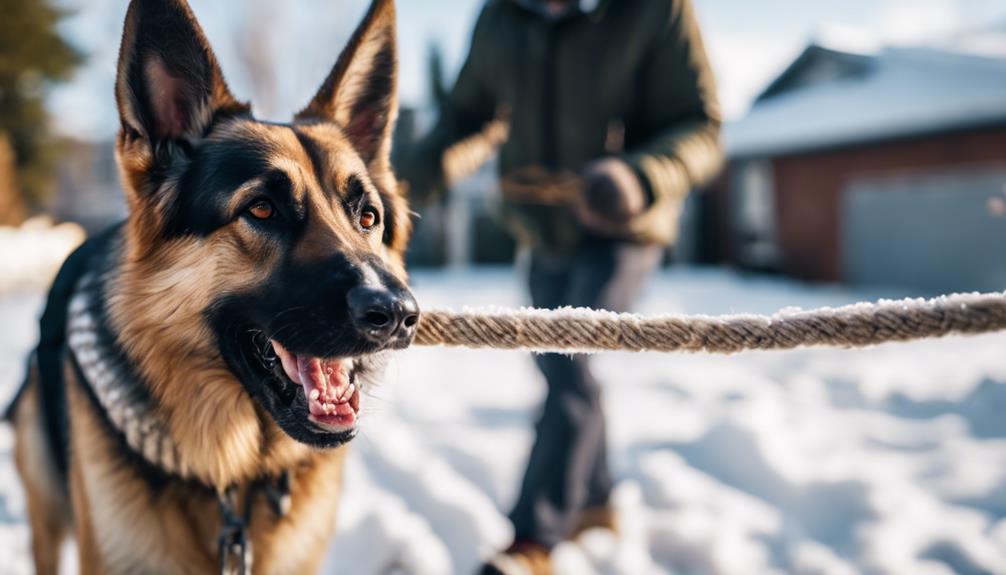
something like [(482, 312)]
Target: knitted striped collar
[(110, 376)]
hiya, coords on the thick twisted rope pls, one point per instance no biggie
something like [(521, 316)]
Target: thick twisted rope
[(580, 330)]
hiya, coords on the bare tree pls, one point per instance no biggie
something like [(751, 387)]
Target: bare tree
[(12, 208)]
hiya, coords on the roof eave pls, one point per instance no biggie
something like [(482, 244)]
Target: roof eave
[(803, 149)]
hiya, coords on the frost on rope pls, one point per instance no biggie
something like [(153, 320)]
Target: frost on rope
[(573, 330)]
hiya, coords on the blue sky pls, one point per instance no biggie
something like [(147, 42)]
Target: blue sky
[(748, 42)]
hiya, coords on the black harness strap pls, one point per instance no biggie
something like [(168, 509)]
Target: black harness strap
[(52, 350)]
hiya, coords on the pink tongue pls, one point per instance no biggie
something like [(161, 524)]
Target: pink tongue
[(330, 379)]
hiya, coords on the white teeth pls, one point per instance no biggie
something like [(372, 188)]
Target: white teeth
[(315, 394), (346, 395)]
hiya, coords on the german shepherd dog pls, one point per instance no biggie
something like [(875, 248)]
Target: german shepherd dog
[(201, 364)]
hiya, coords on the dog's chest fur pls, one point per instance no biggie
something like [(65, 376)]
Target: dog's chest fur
[(171, 526)]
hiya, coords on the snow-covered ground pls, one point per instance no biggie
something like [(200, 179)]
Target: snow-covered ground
[(31, 254), (887, 460)]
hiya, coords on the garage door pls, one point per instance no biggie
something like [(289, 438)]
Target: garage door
[(937, 232)]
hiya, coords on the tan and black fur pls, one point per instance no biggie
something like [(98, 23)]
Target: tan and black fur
[(189, 273)]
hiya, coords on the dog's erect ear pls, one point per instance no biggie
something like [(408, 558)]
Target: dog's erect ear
[(360, 94), (169, 85)]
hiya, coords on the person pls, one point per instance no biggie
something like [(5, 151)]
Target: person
[(611, 117)]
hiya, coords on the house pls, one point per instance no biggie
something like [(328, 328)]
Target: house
[(882, 167)]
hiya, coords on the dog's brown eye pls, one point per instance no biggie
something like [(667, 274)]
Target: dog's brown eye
[(368, 218), (261, 210)]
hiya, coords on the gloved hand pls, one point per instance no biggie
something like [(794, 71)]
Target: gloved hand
[(612, 195)]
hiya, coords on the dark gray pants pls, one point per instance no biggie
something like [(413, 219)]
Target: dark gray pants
[(568, 468)]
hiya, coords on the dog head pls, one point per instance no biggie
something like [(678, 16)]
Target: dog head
[(282, 244)]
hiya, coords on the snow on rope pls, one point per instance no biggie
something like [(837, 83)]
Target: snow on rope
[(582, 330)]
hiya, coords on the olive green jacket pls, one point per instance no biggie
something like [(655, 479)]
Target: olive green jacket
[(626, 78)]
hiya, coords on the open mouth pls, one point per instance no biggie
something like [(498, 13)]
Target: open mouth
[(316, 400), (329, 385), (307, 366)]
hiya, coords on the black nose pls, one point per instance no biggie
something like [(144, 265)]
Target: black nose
[(381, 314)]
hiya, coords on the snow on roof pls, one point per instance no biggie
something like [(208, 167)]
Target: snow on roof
[(897, 92), (816, 65)]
